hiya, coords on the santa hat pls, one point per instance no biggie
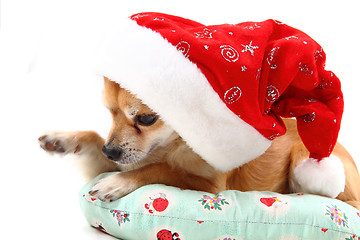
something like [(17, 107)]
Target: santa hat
[(223, 88)]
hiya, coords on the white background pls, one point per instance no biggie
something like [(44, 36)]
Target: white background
[(46, 83)]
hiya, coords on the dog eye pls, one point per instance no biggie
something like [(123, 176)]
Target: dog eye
[(147, 120)]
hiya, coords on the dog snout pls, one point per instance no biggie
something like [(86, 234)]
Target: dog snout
[(112, 153)]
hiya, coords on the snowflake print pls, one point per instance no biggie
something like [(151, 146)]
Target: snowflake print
[(272, 93), (308, 118), (291, 37), (318, 54), (252, 27), (206, 33), (158, 19), (249, 48), (309, 99), (270, 59), (278, 22), (138, 16)]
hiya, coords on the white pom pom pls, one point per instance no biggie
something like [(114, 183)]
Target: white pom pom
[(325, 177)]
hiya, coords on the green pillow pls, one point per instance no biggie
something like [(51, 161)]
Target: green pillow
[(163, 212)]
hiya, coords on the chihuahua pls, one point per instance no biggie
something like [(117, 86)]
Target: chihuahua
[(145, 150)]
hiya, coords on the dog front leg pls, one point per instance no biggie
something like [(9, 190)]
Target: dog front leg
[(86, 146), (118, 185)]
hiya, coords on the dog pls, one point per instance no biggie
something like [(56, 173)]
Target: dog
[(145, 150)]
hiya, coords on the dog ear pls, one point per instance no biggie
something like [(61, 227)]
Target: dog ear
[(110, 84), (110, 93)]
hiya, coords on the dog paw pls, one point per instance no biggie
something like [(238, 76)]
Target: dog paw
[(59, 142), (112, 188)]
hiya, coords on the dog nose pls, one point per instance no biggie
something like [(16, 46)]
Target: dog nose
[(112, 153)]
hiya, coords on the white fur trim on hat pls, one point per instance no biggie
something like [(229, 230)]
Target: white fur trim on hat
[(146, 64), (325, 177)]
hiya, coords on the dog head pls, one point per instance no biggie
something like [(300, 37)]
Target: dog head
[(136, 130)]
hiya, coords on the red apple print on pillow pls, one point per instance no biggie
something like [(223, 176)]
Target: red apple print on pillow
[(274, 206), (268, 201), (157, 203), (160, 204)]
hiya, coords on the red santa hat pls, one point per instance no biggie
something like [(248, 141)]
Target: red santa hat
[(224, 88)]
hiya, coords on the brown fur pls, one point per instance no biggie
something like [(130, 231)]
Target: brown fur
[(173, 163)]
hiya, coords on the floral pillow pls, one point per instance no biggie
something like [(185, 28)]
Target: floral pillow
[(168, 213)]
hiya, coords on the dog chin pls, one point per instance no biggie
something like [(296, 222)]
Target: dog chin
[(130, 160), (125, 162)]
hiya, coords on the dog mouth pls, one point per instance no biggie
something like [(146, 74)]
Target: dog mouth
[(130, 156), (127, 155), (123, 155)]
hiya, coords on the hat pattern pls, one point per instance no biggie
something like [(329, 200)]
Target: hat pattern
[(262, 71)]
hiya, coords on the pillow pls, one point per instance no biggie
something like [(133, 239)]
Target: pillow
[(163, 212)]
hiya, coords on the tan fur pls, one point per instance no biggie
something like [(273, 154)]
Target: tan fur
[(156, 154)]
